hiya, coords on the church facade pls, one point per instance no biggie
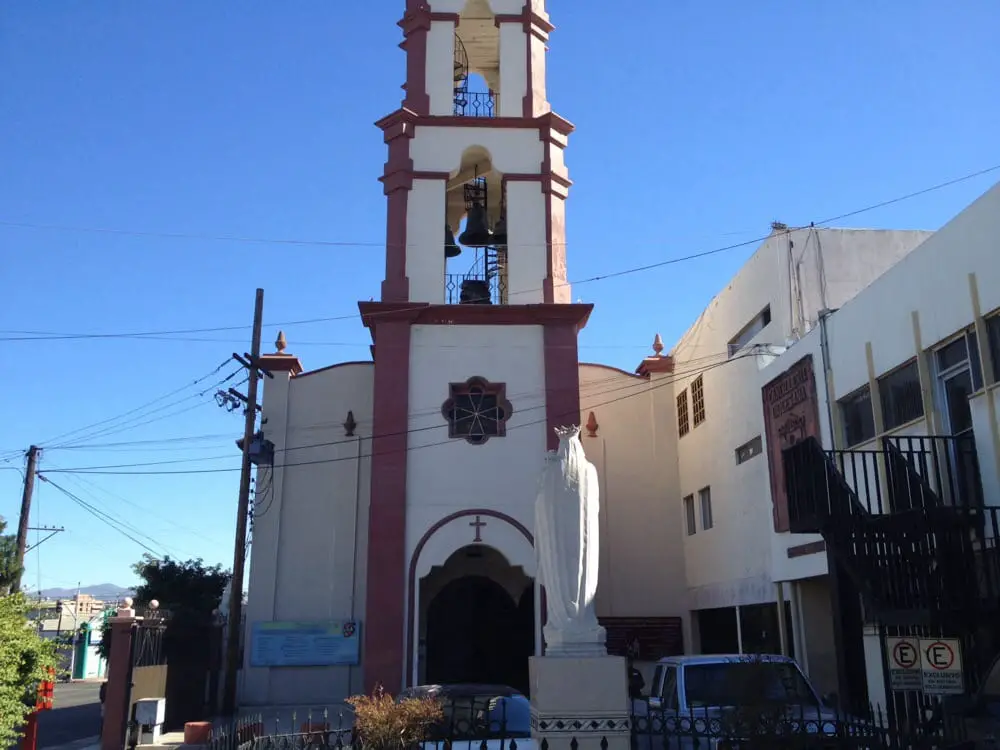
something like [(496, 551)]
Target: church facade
[(395, 511)]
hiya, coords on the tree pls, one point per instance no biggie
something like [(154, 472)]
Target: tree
[(185, 589), (8, 559), (25, 658), (189, 590)]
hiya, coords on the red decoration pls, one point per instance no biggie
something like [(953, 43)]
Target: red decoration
[(592, 425)]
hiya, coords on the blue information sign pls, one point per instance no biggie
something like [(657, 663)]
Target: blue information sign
[(305, 644)]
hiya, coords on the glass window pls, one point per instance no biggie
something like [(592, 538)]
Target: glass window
[(705, 500), (669, 691), (751, 329), (748, 450), (683, 426), (859, 420), (902, 399), (993, 337), (957, 389), (689, 515), (741, 683), (698, 400)]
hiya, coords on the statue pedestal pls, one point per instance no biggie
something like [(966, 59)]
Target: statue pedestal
[(585, 698)]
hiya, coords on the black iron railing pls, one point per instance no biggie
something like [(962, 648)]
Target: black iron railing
[(475, 104), (485, 283), (908, 552), (149, 650), (947, 464)]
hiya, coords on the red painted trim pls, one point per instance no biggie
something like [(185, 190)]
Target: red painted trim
[(572, 316), (397, 181), (613, 369), (562, 379), (431, 175), (334, 367), (415, 558), (802, 550), (281, 363), (383, 641), (661, 363), (550, 125)]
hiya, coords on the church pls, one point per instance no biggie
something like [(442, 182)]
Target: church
[(394, 511)]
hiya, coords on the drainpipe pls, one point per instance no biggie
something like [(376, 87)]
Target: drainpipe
[(827, 367)]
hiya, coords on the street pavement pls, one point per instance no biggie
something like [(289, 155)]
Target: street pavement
[(75, 716)]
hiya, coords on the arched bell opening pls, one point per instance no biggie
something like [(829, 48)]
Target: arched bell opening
[(477, 61), (476, 232), (477, 620)]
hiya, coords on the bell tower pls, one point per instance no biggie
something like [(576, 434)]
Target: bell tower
[(475, 335), (475, 152)]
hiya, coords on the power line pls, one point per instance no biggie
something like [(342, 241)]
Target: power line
[(664, 382), (49, 335), (104, 518), (353, 244), (350, 440), (80, 480), (679, 370), (138, 408)]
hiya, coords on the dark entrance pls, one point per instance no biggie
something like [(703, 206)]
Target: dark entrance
[(477, 633)]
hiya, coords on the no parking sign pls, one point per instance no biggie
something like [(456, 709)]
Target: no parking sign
[(933, 665)]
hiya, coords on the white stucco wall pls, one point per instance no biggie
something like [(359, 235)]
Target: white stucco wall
[(736, 561), (445, 476), (642, 555), (311, 524)]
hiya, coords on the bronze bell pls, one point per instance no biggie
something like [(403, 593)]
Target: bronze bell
[(500, 231), (477, 232), (451, 248), (475, 292)]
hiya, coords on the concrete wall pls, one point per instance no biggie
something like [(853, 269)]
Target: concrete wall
[(793, 274), (634, 450), (310, 523)]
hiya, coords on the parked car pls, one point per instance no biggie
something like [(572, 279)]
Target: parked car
[(710, 700), (474, 714)]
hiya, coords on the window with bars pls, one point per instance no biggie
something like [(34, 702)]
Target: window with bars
[(477, 410), (901, 395), (993, 337), (705, 502), (858, 417), (698, 400), (689, 517), (683, 425)]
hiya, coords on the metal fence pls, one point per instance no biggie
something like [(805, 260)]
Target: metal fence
[(780, 727), (759, 727)]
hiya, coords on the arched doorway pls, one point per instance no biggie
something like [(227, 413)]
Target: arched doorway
[(479, 620)]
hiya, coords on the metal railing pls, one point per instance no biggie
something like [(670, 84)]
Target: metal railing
[(475, 104)]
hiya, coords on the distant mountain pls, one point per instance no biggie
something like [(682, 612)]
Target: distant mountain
[(103, 591)]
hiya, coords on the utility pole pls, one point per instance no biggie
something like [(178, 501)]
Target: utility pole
[(235, 623), (22, 526)]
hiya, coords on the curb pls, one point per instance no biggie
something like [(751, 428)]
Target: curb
[(89, 743)]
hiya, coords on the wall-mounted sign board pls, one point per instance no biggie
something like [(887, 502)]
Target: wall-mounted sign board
[(305, 644)]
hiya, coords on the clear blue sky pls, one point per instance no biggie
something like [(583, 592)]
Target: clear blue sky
[(698, 123)]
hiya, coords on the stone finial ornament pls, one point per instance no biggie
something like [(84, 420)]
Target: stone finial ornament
[(350, 425), (657, 345), (592, 425), (280, 344)]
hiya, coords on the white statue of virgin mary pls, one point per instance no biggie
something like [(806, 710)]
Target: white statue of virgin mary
[(567, 545)]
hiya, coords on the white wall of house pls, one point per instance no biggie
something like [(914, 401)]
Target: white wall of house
[(792, 275), (310, 523), (942, 290), (642, 554)]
